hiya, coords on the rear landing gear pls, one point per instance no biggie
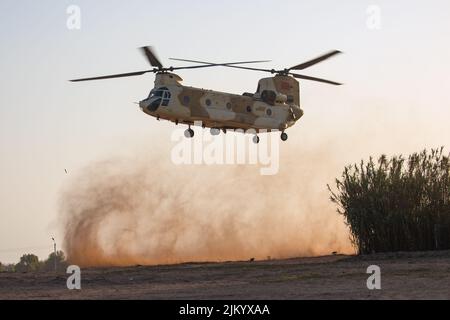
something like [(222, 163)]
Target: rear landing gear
[(284, 136), (189, 133)]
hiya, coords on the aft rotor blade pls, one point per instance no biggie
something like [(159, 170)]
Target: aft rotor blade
[(151, 57), (225, 63), (300, 76), (120, 75), (248, 68), (195, 67), (312, 62)]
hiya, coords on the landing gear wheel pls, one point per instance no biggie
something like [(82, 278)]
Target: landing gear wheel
[(214, 131), (189, 133), (255, 139), (284, 136)]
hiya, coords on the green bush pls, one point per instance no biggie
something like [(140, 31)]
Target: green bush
[(28, 263), (397, 204), (31, 263), (49, 264)]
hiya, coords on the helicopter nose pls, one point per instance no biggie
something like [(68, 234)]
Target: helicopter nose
[(143, 104)]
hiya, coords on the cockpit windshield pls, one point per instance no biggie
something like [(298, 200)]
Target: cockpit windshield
[(157, 92), (159, 96)]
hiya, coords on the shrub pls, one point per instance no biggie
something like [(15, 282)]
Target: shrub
[(28, 263), (49, 264), (397, 204)]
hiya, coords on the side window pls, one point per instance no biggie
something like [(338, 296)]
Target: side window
[(290, 99), (186, 100)]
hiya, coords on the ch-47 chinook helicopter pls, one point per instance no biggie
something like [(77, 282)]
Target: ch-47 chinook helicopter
[(274, 106)]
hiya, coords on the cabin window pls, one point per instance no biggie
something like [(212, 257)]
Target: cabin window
[(290, 98), (249, 109), (268, 112), (186, 100), (228, 105), (208, 102)]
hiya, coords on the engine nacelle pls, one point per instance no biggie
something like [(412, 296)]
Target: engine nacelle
[(281, 98)]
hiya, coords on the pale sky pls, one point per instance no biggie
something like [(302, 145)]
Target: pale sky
[(396, 96)]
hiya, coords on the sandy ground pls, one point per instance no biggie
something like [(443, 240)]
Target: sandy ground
[(416, 275)]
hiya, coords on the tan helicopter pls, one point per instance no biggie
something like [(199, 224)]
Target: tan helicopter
[(274, 106)]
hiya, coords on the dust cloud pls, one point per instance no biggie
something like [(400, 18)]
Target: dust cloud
[(142, 209)]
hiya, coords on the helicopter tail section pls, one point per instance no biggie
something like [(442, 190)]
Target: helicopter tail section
[(288, 86)]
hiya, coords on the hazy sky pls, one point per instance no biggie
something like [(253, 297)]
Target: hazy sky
[(396, 96)]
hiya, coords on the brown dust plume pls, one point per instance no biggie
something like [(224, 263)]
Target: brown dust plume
[(146, 210)]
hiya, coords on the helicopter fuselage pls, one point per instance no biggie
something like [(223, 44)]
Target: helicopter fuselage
[(275, 105)]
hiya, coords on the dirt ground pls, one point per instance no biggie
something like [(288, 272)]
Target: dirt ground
[(415, 275)]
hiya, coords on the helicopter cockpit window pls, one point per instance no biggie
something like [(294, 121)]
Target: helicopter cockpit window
[(158, 92), (160, 96), (166, 98)]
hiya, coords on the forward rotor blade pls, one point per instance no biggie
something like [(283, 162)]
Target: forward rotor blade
[(312, 62), (120, 75), (300, 76), (226, 63), (138, 73), (151, 57)]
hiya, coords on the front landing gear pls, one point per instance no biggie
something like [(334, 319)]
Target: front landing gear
[(284, 136), (189, 133)]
